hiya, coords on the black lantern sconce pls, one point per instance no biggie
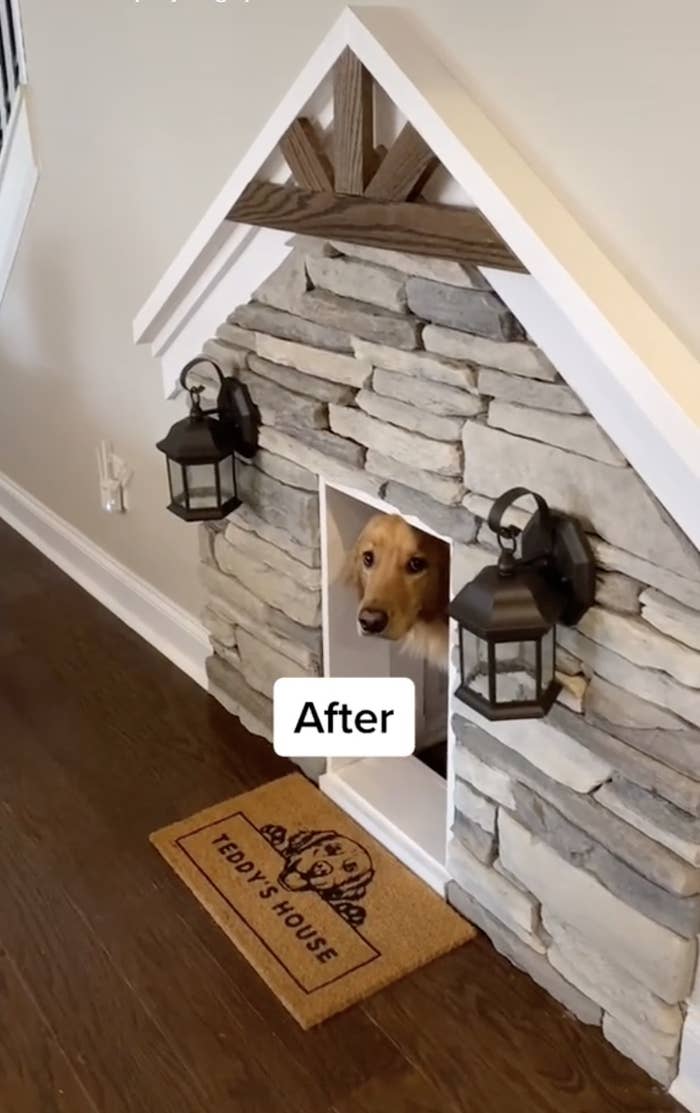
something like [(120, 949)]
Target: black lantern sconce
[(201, 449), (507, 615)]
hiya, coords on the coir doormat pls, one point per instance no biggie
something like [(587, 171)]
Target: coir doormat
[(324, 914)]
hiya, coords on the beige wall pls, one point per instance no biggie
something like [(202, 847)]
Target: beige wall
[(139, 111)]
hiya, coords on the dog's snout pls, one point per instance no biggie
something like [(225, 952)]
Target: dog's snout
[(373, 622)]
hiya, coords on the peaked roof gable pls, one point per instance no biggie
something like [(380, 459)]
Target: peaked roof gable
[(637, 378)]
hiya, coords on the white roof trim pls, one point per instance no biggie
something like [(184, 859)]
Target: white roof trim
[(652, 406)]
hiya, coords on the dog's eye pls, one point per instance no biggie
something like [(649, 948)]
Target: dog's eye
[(368, 559), (417, 564), (349, 867)]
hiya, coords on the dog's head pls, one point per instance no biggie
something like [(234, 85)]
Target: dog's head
[(330, 864), (401, 575)]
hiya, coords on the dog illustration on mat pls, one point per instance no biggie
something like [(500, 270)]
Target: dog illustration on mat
[(333, 866)]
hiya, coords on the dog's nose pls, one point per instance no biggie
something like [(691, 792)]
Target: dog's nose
[(373, 622)]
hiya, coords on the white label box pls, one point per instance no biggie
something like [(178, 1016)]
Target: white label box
[(344, 716)]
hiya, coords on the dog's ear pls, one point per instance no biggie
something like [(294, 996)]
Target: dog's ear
[(305, 838), (437, 595)]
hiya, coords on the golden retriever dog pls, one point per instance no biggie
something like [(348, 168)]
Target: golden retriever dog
[(402, 579)]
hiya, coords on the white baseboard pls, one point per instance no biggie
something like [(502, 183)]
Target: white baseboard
[(373, 818), (163, 624)]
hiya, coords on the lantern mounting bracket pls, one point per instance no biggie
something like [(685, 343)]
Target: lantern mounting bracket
[(556, 545), (234, 407)]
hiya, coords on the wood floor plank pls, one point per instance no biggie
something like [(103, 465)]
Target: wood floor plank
[(495, 1040), (103, 741), (35, 1075)]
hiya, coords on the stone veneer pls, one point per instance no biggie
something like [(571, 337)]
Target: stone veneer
[(576, 839)]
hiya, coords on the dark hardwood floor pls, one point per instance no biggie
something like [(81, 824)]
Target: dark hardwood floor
[(118, 994)]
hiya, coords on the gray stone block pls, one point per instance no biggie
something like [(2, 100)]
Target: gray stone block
[(418, 365), (480, 775), (524, 957), (556, 397), (511, 904), (552, 746), (220, 629), (436, 398), (478, 842), (239, 337), (617, 592), (380, 286), (407, 448), (323, 390), (281, 406), (618, 560), (419, 266), (281, 506), (656, 817), (275, 322), (247, 544), (476, 311), (330, 444), (231, 689), (285, 287), (638, 642), (591, 491), (261, 665), (517, 358), (581, 435), (648, 684), (439, 487), (641, 853), (612, 986), (567, 663), (328, 464), (269, 584), (648, 728), (229, 358), (672, 618), (322, 364), (359, 319), (453, 522), (659, 958), (287, 471), (205, 539), (467, 562), (475, 807), (246, 518), (663, 1069), (680, 914), (235, 603), (410, 417)]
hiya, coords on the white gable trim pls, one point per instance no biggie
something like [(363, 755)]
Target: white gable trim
[(643, 385)]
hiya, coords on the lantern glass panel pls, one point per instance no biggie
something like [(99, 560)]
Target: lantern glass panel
[(227, 478), (201, 486), (516, 672), (475, 661), (177, 485), (548, 658)]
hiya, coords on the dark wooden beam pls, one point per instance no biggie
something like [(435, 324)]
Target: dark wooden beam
[(353, 139), (304, 154), (420, 228), (409, 162)]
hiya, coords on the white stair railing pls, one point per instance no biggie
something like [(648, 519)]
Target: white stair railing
[(11, 65)]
